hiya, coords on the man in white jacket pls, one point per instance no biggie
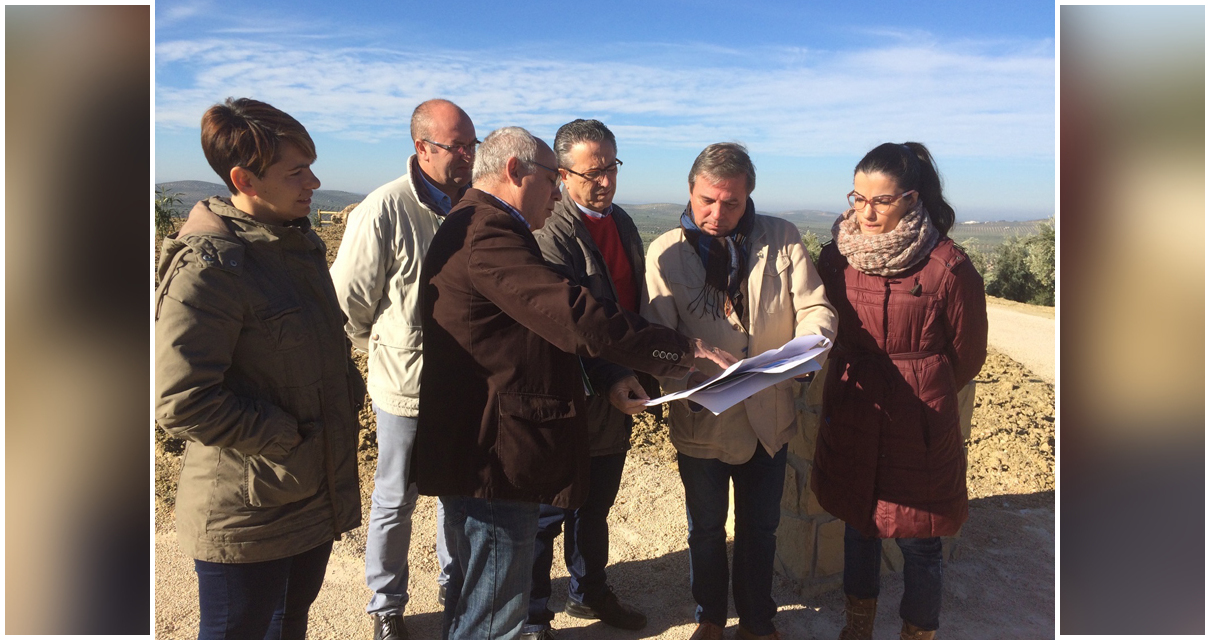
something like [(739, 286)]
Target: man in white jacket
[(376, 273)]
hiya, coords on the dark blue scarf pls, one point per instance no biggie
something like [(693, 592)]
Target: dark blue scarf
[(725, 260)]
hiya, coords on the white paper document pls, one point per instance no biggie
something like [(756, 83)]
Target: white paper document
[(746, 377)]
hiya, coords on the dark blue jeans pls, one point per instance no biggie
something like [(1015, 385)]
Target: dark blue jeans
[(269, 600), (921, 604), (758, 487), (585, 542)]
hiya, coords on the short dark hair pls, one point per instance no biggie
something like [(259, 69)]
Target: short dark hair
[(724, 160), (912, 167), (248, 133), (577, 131)]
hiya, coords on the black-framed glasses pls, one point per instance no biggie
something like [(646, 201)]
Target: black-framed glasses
[(881, 204), (465, 149), (596, 174)]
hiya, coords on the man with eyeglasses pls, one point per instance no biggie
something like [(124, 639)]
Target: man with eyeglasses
[(501, 427), (376, 273), (595, 244)]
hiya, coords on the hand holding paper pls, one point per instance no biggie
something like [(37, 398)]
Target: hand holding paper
[(746, 377)]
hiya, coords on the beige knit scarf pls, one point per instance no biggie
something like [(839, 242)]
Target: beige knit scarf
[(886, 254)]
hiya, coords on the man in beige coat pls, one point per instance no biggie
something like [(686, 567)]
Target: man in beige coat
[(744, 283), (376, 273)]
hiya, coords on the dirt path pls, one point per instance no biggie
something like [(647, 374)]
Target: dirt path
[(1000, 586), (1025, 333)]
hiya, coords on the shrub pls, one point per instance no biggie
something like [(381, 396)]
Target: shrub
[(165, 211), (1021, 269), (813, 245)]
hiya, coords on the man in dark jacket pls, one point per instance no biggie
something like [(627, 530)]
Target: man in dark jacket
[(501, 424), (596, 245)]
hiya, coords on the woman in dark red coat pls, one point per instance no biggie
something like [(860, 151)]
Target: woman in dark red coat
[(889, 460)]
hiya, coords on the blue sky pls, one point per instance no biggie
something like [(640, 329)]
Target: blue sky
[(808, 87)]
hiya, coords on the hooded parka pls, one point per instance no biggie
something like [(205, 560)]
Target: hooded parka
[(253, 370)]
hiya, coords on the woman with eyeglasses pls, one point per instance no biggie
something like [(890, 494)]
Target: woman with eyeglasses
[(889, 460)]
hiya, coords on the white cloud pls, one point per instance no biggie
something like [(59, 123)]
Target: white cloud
[(964, 99)]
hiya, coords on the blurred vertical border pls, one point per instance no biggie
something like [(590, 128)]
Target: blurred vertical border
[(1131, 475), (77, 224)]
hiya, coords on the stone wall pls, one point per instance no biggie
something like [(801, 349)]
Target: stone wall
[(810, 542)]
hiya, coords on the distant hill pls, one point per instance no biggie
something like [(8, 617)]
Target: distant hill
[(194, 190), (654, 219)]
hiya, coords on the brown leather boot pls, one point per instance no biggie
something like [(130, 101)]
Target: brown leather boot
[(858, 618), (707, 631), (912, 632)]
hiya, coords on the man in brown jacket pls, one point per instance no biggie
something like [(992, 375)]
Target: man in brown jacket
[(502, 393)]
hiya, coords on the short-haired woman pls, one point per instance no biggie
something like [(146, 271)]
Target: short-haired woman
[(253, 370), (889, 459)]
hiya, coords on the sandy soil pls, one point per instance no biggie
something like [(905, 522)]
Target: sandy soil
[(999, 585)]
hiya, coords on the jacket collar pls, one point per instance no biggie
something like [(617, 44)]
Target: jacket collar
[(422, 190)]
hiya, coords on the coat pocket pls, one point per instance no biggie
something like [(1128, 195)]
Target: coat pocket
[(274, 480), (536, 440)]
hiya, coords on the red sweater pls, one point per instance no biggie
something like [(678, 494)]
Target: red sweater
[(604, 232)]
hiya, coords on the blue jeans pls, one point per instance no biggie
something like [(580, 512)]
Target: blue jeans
[(254, 600), (445, 562), (758, 487), (493, 548), (585, 542), (389, 533), (921, 604)]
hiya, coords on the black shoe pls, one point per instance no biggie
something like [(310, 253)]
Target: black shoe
[(609, 611), (441, 594), (389, 626), (545, 634)]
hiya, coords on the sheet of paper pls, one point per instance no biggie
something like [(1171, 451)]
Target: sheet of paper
[(746, 377)]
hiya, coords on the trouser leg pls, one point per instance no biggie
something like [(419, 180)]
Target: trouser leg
[(586, 542), (389, 532), (306, 577), (758, 488), (921, 604), (550, 524), (862, 564), (706, 482)]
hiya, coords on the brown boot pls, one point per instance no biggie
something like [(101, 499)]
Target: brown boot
[(707, 631), (858, 618), (912, 632)]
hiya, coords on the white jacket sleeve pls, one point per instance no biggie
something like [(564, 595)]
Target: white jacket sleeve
[(360, 271)]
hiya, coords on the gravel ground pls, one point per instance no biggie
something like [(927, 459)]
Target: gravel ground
[(999, 585)]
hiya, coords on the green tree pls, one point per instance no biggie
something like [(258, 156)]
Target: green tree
[(165, 211), (1023, 268), (1040, 259), (813, 245)]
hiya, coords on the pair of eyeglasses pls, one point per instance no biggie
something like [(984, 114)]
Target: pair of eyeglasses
[(595, 175), (465, 149), (881, 204), (550, 169)]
